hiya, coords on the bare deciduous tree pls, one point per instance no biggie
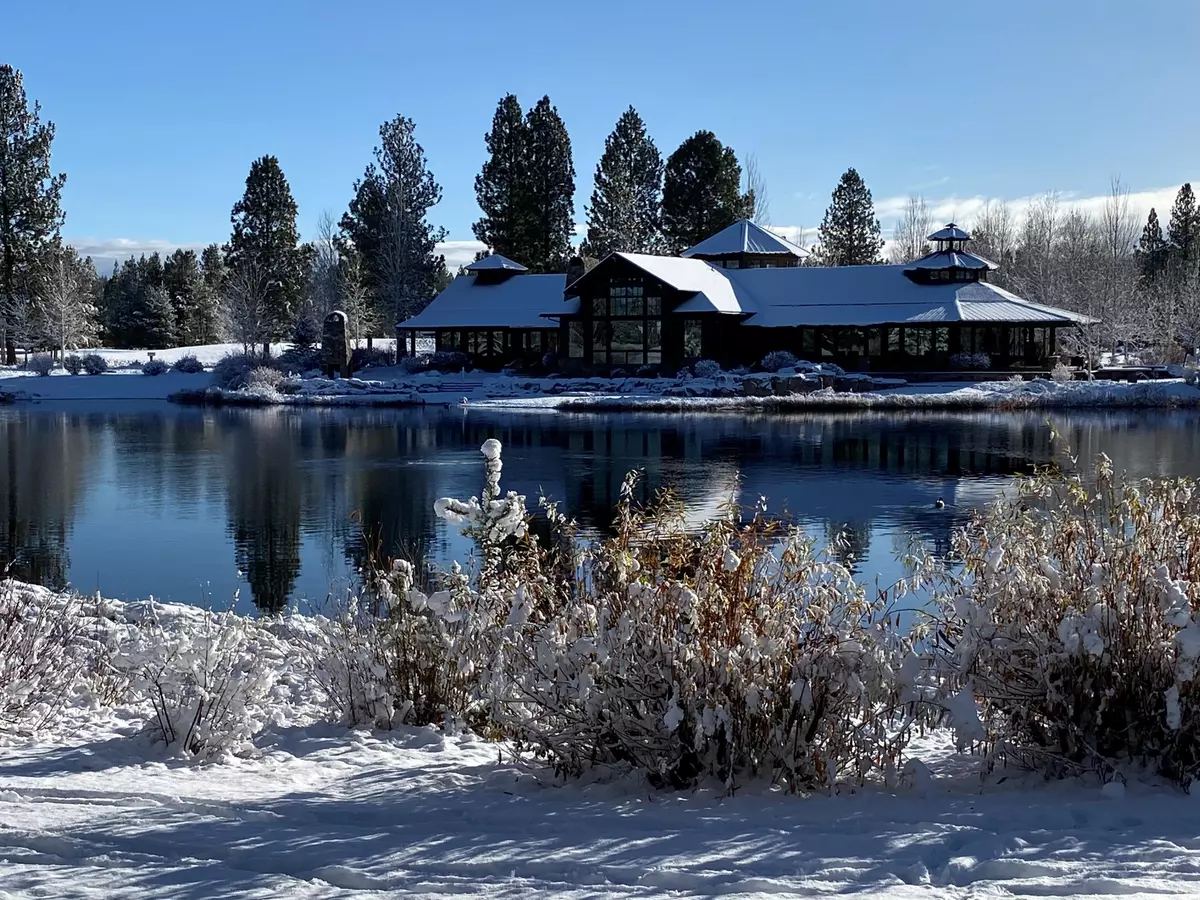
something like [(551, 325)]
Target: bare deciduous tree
[(758, 198), (909, 237), (64, 314), (246, 306)]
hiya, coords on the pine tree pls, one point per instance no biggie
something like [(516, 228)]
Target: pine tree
[(1183, 233), (850, 234), (184, 286), (265, 241), (387, 223), (30, 210), (502, 185), (701, 191), (626, 209), (1152, 251), (550, 175), (207, 325)]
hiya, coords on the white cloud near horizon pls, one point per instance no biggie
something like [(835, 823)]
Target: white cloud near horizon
[(106, 251)]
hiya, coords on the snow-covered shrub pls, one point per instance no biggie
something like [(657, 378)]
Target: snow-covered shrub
[(778, 359), (740, 370), (208, 683), (647, 371), (298, 360), (706, 368), (188, 365), (264, 378), (230, 371), (970, 361), (95, 364), (618, 372), (73, 364), (155, 367), (46, 648), (1016, 380), (413, 365), (1076, 624), (1061, 373), (449, 361), (374, 358), (737, 653), (550, 360), (1191, 374), (41, 364)]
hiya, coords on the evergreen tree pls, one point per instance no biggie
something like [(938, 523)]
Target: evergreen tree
[(1183, 233), (265, 241), (184, 286), (626, 209), (207, 325), (387, 223), (1152, 251), (30, 211), (158, 318), (550, 193), (701, 191), (850, 234), (501, 187)]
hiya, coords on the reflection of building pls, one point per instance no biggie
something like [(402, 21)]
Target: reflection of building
[(737, 295)]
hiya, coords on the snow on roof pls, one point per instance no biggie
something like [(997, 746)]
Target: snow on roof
[(880, 295), (950, 232), (743, 236), (495, 263), (514, 303), (693, 276), (947, 259)]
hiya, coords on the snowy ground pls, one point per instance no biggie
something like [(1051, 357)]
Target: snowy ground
[(94, 809)]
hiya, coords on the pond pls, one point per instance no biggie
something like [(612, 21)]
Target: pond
[(271, 505)]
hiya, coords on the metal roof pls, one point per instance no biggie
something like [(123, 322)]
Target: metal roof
[(951, 259), (744, 236), (495, 263), (950, 232), (512, 303)]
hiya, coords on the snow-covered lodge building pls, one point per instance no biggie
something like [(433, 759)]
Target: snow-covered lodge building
[(733, 298)]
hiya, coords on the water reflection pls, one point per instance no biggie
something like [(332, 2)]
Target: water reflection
[(279, 503)]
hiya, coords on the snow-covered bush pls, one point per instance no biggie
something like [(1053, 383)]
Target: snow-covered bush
[(230, 371), (1191, 374), (264, 378), (618, 372), (449, 361), (1016, 379), (647, 371), (413, 365), (306, 334), (73, 364), (738, 653), (706, 368), (95, 364), (46, 648), (188, 365), (1076, 624), (208, 683), (1061, 373), (778, 359), (550, 360), (155, 367), (41, 364), (298, 360), (970, 361)]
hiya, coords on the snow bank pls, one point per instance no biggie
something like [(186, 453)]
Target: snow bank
[(120, 385)]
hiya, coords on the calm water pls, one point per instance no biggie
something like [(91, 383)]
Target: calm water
[(195, 505)]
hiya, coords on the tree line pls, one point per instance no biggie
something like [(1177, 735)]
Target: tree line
[(379, 262)]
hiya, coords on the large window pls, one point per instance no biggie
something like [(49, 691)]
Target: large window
[(693, 338), (575, 340), (627, 325)]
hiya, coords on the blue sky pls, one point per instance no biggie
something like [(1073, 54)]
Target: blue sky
[(160, 108)]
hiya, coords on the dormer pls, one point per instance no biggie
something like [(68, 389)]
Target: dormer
[(744, 245), (494, 269), (950, 261)]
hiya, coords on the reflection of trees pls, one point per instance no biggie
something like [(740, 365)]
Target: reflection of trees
[(848, 543), (44, 462), (264, 483)]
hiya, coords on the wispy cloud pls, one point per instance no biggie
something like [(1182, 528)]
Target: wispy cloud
[(964, 209), (106, 251)]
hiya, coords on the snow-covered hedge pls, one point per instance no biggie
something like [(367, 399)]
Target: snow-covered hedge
[(973, 361), (1077, 624), (95, 364), (188, 365), (155, 367), (706, 368), (41, 364), (778, 359), (73, 363)]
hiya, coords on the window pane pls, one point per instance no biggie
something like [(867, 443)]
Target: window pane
[(599, 306), (893, 340), (654, 334), (874, 341), (535, 341), (941, 340), (808, 341), (550, 338), (634, 307), (692, 337), (653, 357), (628, 337), (575, 340), (654, 306), (600, 331)]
